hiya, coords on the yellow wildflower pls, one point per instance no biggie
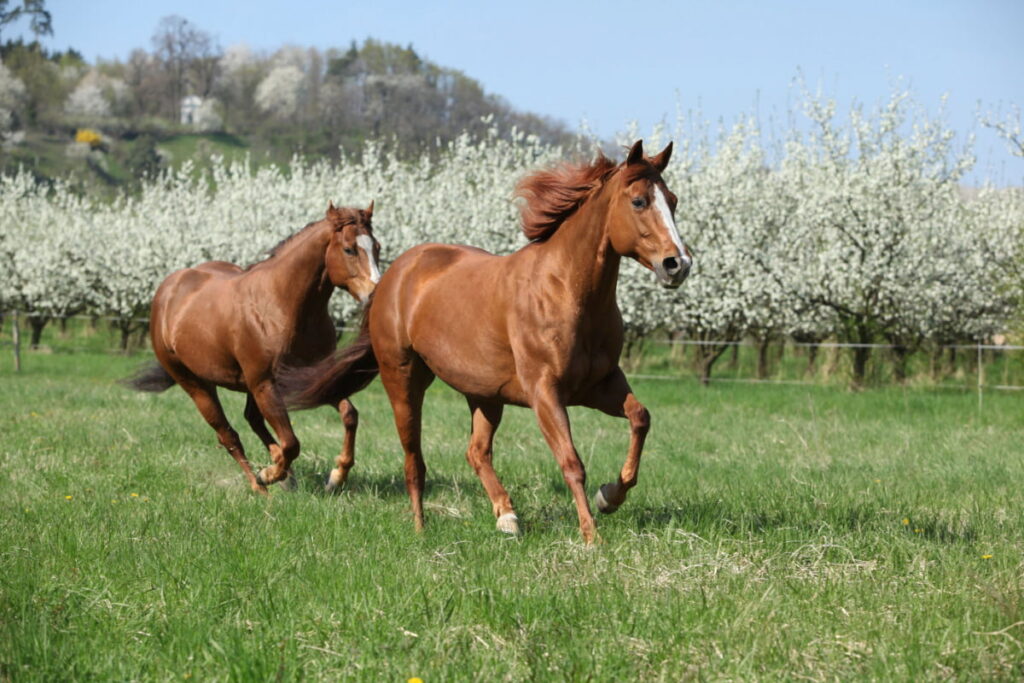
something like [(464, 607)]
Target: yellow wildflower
[(906, 522), (918, 531), (415, 679), (88, 136), (986, 557), (68, 497), (135, 495)]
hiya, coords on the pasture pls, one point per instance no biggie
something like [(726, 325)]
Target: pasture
[(776, 532)]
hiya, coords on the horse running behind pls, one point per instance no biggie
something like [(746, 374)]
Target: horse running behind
[(538, 328), (217, 325)]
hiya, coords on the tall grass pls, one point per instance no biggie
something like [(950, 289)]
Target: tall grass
[(777, 532)]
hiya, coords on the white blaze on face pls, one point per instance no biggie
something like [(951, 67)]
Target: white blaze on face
[(661, 206), (365, 242)]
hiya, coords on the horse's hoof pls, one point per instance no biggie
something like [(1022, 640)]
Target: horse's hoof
[(334, 482), (289, 483), (508, 523), (601, 500), (260, 479)]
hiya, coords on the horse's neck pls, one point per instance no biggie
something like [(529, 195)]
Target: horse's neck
[(583, 256), (297, 273)]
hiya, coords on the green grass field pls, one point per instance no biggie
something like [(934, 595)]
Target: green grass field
[(778, 532)]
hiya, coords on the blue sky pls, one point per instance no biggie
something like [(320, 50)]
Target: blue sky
[(615, 62)]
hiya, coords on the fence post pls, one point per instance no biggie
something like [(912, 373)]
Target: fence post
[(981, 377), (16, 339)]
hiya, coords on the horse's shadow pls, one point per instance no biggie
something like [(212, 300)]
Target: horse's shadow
[(383, 487)]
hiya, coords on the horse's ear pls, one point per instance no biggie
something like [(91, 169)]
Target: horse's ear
[(661, 161), (369, 210), (330, 206), (636, 153)]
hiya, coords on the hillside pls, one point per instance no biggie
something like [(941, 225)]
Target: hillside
[(110, 123)]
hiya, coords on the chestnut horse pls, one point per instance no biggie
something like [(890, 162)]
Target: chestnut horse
[(217, 325), (537, 328)]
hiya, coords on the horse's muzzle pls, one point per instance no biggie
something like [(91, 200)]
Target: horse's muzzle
[(672, 270)]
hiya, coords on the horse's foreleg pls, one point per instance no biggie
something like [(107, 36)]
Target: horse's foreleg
[(486, 418), (347, 458), (205, 398), (615, 397), (286, 449), (554, 425)]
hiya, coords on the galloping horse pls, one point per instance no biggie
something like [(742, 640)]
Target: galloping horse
[(537, 328), (217, 325)]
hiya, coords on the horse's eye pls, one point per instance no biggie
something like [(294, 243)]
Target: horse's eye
[(351, 251), (639, 202)]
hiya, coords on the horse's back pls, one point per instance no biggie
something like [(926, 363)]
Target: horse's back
[(448, 304)]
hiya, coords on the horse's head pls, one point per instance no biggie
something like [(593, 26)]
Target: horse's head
[(641, 224), (353, 251)]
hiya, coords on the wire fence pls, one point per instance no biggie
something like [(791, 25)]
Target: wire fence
[(980, 366)]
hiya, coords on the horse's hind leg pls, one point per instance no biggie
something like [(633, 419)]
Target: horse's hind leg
[(272, 408), (486, 418), (205, 397), (406, 384), (615, 397), (347, 458), (259, 426)]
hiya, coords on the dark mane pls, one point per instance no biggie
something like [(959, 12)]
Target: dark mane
[(338, 218), (272, 252), (552, 195)]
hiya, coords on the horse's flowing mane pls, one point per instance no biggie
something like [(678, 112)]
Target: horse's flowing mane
[(554, 194)]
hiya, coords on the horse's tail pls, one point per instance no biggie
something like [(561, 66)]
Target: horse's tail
[(334, 378), (150, 377)]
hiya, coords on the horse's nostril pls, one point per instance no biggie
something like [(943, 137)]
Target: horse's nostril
[(671, 265)]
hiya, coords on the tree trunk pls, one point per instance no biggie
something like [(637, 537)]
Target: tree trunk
[(734, 357), (861, 355), (763, 346), (16, 339), (812, 361), (706, 357), (37, 323), (899, 355)]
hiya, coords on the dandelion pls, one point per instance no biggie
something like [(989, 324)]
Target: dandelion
[(68, 497), (135, 495), (986, 557), (113, 500), (918, 531), (415, 679), (878, 481), (906, 522)]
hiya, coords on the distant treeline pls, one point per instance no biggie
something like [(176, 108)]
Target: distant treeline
[(294, 99)]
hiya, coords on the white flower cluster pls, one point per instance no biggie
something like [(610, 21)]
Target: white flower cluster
[(859, 231)]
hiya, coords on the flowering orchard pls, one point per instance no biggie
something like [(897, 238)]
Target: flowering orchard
[(856, 228)]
